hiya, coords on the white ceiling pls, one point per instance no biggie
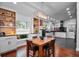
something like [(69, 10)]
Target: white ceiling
[(53, 9)]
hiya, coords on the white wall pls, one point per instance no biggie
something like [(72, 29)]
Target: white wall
[(77, 47)]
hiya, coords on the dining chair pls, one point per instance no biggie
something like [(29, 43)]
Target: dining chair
[(34, 37), (50, 48), (46, 50), (31, 47)]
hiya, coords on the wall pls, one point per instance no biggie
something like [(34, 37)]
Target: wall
[(77, 44)]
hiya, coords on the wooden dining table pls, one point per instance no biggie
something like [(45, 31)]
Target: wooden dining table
[(40, 43)]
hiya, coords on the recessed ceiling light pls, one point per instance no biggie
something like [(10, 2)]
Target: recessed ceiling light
[(67, 9), (68, 12)]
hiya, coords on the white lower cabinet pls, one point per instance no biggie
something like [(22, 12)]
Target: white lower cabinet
[(8, 44)]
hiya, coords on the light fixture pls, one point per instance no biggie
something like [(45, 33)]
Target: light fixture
[(68, 12), (67, 9)]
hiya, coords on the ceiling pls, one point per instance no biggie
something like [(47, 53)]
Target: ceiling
[(55, 10)]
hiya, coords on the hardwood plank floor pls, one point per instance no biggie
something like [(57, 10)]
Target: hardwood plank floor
[(64, 52), (59, 52)]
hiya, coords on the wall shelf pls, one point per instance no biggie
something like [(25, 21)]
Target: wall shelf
[(7, 21)]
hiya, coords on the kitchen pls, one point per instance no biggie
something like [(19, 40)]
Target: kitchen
[(22, 23)]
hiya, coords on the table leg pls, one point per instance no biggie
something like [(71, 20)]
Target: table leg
[(41, 52)]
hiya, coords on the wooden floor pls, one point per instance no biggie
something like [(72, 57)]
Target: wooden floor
[(64, 52), (59, 52)]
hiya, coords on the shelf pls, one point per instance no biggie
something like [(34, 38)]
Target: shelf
[(6, 26), (6, 16), (7, 21), (36, 25)]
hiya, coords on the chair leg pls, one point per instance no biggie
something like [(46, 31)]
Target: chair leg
[(47, 53), (27, 51), (54, 52), (34, 53)]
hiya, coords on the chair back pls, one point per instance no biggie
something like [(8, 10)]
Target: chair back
[(29, 43), (34, 37), (52, 43)]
